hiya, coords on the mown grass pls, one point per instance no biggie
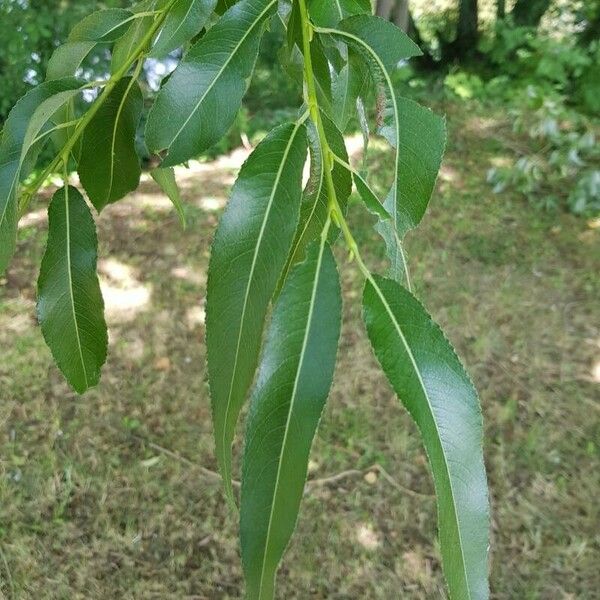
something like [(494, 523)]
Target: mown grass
[(107, 496)]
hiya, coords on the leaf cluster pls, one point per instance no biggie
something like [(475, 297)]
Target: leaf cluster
[(272, 273)]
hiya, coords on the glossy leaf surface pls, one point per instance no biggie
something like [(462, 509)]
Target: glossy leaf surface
[(431, 382), (109, 167), (19, 148), (167, 182), (250, 249), (293, 383), (184, 21), (329, 14), (70, 306), (198, 104), (102, 26)]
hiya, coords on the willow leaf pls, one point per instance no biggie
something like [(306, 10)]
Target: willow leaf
[(293, 383), (417, 134), (19, 149), (70, 306), (250, 249), (168, 183), (369, 198), (431, 382), (208, 86), (104, 26), (329, 14), (109, 167), (185, 19), (314, 211), (130, 40)]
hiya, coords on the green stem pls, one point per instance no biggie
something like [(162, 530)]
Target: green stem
[(335, 211), (89, 115)]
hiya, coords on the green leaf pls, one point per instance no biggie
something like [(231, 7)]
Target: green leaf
[(70, 306), (350, 84), (166, 180), (314, 211), (433, 385), (417, 134), (329, 14), (19, 149), (208, 86), (369, 198), (293, 383), (66, 59), (109, 167), (250, 249), (127, 43), (104, 26), (185, 19)]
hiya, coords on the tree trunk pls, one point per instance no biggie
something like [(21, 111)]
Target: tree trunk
[(384, 8), (396, 11), (467, 33), (529, 13)]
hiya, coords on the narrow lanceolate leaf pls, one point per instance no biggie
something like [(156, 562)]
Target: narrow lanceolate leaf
[(314, 211), (185, 19), (433, 385), (109, 167), (329, 14), (419, 137), (168, 183), (293, 383), (207, 87), (70, 306), (250, 249), (66, 59), (104, 26), (417, 134), (19, 148)]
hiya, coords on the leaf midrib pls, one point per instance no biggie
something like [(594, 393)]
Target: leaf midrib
[(71, 295), (226, 474), (222, 70), (430, 409), (292, 403)]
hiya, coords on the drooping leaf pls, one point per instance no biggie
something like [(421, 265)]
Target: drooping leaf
[(19, 149), (329, 14), (104, 26), (422, 141), (250, 249), (431, 382), (314, 211), (185, 19), (421, 134), (70, 306), (293, 383), (109, 167), (207, 87), (167, 182)]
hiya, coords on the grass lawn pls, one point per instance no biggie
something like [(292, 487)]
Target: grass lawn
[(111, 495)]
